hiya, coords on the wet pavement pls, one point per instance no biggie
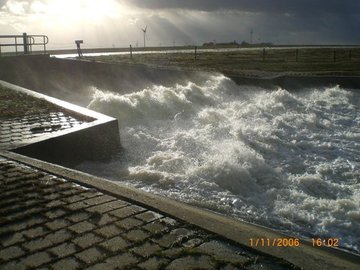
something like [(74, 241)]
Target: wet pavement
[(48, 222), (17, 130)]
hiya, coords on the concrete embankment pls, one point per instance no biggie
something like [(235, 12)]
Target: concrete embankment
[(70, 79), (68, 135)]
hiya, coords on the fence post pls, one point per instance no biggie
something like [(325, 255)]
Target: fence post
[(25, 41), (130, 51), (44, 45), (350, 55), (263, 56), (195, 52)]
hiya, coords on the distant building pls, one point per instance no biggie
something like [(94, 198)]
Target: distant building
[(221, 44), (235, 44)]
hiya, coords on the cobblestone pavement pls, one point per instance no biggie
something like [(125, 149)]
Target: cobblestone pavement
[(47, 222), (16, 130)]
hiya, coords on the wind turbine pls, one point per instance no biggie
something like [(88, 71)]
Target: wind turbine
[(144, 30)]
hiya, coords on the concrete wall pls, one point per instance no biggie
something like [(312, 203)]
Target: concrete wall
[(95, 143), (70, 79), (97, 139)]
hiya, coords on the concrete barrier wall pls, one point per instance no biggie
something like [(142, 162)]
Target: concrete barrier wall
[(70, 79), (94, 143), (98, 139)]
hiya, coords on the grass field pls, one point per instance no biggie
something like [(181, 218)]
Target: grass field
[(317, 61)]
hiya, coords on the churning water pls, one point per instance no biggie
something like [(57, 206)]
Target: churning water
[(286, 160)]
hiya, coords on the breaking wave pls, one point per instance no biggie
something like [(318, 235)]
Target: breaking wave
[(286, 160)]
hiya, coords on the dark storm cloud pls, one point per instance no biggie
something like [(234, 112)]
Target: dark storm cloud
[(273, 6), (278, 21)]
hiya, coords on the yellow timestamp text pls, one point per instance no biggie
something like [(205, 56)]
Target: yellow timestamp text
[(326, 242), (274, 242)]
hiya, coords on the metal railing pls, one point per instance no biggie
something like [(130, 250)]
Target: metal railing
[(24, 43)]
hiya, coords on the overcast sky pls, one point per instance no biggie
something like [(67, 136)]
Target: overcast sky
[(118, 23)]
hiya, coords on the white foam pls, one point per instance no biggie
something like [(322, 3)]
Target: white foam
[(287, 160)]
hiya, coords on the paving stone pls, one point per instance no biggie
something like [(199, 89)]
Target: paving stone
[(173, 252), (101, 219), (55, 203), (55, 213), (90, 255), (37, 244), (36, 259), (98, 200), (63, 250), (77, 217), (107, 207), (10, 253), (167, 240), (57, 224), (122, 261), (90, 193), (148, 216), (67, 264), (109, 231), (76, 206), (73, 199), (267, 265), (222, 251), (169, 221), (155, 227), (103, 266), (12, 239), (25, 214), (192, 262), (87, 240), (127, 211), (146, 250), (52, 196), (36, 232), (81, 227), (154, 263), (174, 237), (137, 235), (129, 223), (13, 265), (231, 267), (59, 236), (193, 243), (115, 244)]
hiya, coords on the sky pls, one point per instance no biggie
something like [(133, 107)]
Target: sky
[(119, 23)]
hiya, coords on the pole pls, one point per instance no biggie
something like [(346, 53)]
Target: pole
[(350, 55), (263, 56), (195, 52), (15, 45), (144, 40), (297, 55), (130, 51), (25, 41), (44, 45), (334, 56)]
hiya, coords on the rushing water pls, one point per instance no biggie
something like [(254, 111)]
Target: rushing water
[(286, 160)]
